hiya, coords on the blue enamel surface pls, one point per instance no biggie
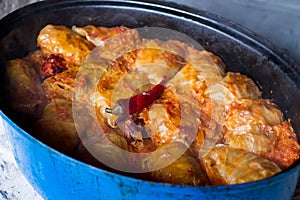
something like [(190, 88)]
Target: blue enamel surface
[(56, 176)]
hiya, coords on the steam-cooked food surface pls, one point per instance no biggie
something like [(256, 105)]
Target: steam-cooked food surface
[(185, 170), (60, 40), (141, 95), (26, 92), (225, 165), (56, 126), (232, 87), (257, 126)]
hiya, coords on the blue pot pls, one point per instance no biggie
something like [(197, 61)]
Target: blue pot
[(57, 176)]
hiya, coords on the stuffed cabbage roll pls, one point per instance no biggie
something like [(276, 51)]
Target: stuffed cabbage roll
[(181, 110), (105, 151), (232, 87), (26, 92), (184, 170), (257, 126), (56, 127), (247, 115), (286, 149), (225, 165), (170, 117), (210, 68), (202, 70), (157, 59), (60, 40)]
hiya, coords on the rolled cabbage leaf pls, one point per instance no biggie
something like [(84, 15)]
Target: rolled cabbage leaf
[(225, 165), (26, 92), (56, 127)]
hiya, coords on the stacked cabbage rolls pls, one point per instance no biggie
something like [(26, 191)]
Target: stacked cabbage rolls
[(147, 95)]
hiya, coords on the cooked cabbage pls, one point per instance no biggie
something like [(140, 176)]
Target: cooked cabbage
[(62, 40), (225, 165), (234, 86), (56, 126), (26, 92)]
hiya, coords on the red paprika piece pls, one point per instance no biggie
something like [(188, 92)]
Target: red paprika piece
[(138, 102), (52, 65)]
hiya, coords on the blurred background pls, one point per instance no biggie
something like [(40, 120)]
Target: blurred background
[(276, 20)]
